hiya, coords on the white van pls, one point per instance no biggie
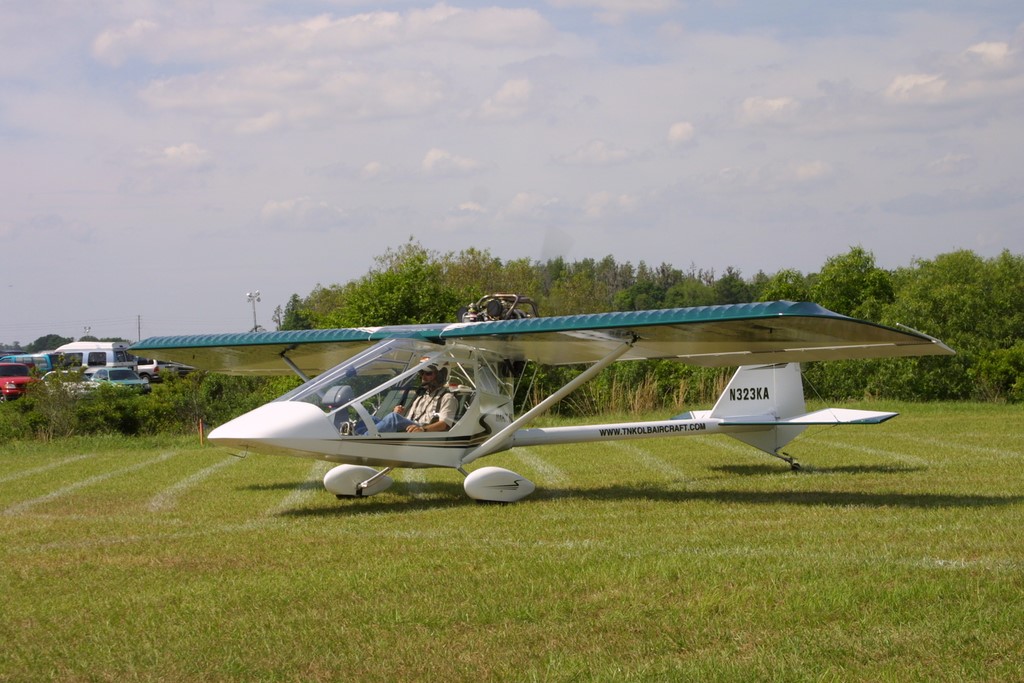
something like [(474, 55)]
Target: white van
[(88, 354)]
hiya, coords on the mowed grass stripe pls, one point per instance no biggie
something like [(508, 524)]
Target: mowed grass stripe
[(545, 474), (414, 481), (304, 492), (21, 507), (904, 458), (968, 446), (168, 498), (646, 459), (44, 468)]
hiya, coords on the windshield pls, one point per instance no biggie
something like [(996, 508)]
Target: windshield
[(13, 371), (390, 364), (123, 374)]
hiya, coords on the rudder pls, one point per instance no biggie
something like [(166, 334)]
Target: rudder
[(760, 394)]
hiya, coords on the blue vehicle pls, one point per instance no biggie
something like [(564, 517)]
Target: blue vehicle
[(42, 362)]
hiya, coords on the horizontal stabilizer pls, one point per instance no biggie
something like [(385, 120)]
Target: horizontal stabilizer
[(828, 416)]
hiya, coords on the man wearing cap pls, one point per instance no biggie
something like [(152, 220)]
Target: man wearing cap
[(431, 411)]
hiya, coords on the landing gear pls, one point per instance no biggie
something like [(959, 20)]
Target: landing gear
[(785, 457), (357, 481), (497, 485)]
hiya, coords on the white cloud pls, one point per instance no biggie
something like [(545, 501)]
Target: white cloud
[(442, 162), (487, 27), (510, 102), (914, 88), (114, 46), (471, 207), (270, 121), (302, 213), (372, 170), (320, 90), (528, 206), (596, 153), (951, 164), (177, 41), (616, 12), (990, 54), (186, 156), (601, 204), (760, 110), (769, 178), (464, 216), (806, 171), (680, 133)]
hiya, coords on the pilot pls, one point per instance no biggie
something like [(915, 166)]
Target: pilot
[(432, 411)]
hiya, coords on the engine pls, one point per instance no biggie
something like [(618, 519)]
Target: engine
[(498, 307)]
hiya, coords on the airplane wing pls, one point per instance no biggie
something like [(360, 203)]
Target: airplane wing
[(261, 353), (712, 336)]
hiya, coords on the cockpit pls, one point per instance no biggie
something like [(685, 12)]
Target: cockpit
[(363, 390)]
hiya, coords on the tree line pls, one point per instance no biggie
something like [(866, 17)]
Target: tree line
[(974, 304)]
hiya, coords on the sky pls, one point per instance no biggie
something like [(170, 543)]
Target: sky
[(163, 159)]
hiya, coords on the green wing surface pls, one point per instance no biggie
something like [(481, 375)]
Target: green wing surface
[(730, 335), (738, 334), (261, 353)]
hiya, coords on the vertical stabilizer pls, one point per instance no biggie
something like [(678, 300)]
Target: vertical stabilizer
[(761, 390), (763, 393)]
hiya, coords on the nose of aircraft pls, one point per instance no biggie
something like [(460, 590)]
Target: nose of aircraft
[(275, 424)]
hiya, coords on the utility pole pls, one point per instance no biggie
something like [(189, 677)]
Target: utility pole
[(252, 297)]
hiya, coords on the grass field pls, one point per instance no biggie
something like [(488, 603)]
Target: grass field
[(896, 554)]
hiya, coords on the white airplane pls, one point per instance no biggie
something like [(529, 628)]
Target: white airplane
[(361, 374)]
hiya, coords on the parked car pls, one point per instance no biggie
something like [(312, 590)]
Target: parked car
[(122, 377), (73, 381), (14, 377), (156, 370), (42, 362), (95, 354)]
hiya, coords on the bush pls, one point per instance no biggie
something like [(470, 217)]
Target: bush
[(110, 409), (14, 423), (1000, 374)]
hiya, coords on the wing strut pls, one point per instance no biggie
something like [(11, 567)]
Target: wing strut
[(293, 366), (496, 442)]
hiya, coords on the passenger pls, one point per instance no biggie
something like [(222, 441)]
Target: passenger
[(431, 411)]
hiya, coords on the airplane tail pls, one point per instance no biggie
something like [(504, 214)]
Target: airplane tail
[(763, 406)]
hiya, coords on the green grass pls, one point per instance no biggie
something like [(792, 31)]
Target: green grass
[(897, 554)]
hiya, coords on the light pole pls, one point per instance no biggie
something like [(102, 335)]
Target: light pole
[(253, 297)]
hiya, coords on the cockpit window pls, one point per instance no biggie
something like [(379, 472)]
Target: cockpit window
[(366, 376)]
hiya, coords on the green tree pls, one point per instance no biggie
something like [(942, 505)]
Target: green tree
[(47, 342), (853, 285), (407, 287), (786, 285), (323, 303), (295, 315), (690, 291), (973, 304), (575, 294), (731, 288), (472, 273), (642, 296)]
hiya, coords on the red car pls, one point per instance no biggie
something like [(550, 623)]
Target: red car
[(13, 378)]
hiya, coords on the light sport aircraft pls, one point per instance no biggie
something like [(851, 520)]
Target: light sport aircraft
[(358, 374)]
